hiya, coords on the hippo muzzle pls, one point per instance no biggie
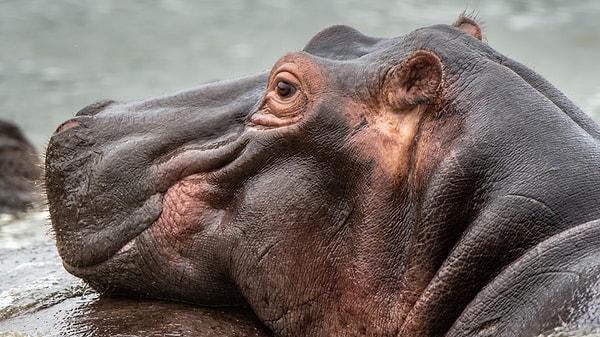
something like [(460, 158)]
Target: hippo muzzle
[(423, 185), (111, 166)]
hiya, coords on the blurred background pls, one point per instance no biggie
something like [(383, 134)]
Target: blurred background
[(57, 56)]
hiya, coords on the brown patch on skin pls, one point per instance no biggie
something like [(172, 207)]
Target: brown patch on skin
[(469, 26), (185, 206), (190, 221), (388, 140), (410, 90), (178, 224)]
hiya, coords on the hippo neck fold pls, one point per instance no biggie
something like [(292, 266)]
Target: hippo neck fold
[(487, 207)]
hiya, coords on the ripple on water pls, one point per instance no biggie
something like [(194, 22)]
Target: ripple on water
[(23, 230), (32, 276), (565, 332), (32, 279)]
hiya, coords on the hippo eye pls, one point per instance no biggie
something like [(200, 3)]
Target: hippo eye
[(285, 90), (283, 103)]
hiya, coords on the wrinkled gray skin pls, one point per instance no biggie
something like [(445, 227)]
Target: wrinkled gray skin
[(424, 185), (19, 169)]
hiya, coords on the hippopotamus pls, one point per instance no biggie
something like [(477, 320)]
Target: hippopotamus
[(20, 167), (421, 185)]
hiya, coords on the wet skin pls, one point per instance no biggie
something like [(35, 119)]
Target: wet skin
[(423, 185), (19, 170)]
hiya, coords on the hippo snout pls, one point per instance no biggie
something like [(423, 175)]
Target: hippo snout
[(95, 107), (117, 175)]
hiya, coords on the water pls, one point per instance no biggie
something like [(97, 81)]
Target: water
[(57, 56)]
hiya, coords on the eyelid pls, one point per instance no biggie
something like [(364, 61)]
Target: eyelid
[(276, 110), (287, 77)]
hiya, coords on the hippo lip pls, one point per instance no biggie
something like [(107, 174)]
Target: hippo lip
[(184, 161), (106, 243), (113, 235)]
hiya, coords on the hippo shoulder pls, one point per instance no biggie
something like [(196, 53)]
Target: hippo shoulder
[(553, 278)]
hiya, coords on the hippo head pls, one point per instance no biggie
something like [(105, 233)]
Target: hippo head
[(363, 186)]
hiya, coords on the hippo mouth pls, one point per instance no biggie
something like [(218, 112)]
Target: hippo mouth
[(99, 209)]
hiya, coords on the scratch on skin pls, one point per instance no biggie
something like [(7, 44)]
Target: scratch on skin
[(534, 200), (488, 328), (307, 303), (343, 224), (266, 251)]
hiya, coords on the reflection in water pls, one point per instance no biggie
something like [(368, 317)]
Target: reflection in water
[(39, 298), (110, 317)]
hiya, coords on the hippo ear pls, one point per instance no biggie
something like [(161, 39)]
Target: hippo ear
[(469, 26), (417, 80)]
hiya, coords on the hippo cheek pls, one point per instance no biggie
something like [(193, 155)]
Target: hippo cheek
[(181, 256)]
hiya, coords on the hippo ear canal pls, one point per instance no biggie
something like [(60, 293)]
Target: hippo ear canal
[(415, 81)]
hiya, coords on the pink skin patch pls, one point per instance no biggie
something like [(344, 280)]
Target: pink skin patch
[(67, 125), (187, 216)]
